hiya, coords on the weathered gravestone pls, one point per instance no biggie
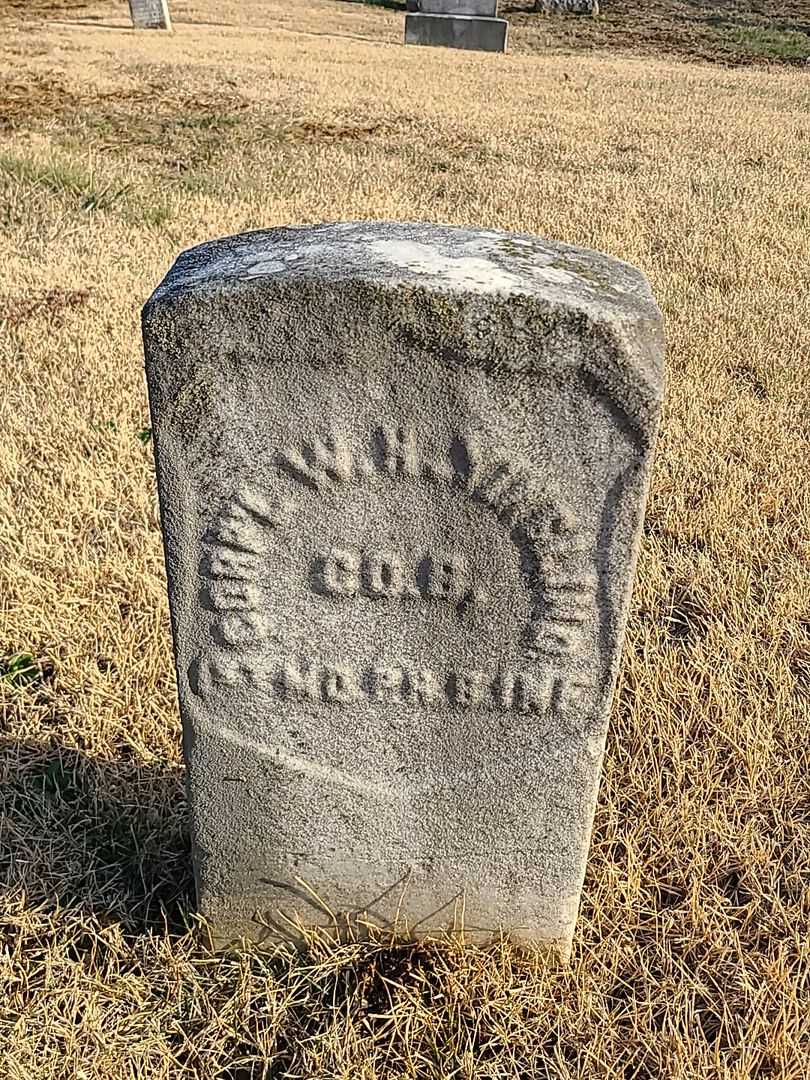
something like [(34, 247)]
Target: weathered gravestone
[(150, 14), (402, 472), (457, 32), (488, 8), (456, 24)]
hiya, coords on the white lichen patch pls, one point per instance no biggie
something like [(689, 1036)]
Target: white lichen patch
[(463, 271), (260, 267), (486, 262)]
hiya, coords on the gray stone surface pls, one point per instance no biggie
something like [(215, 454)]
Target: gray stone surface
[(150, 14), (488, 8), (567, 7), (402, 471), (457, 32)]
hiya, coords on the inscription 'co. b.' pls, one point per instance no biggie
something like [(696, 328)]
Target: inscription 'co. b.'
[(380, 575)]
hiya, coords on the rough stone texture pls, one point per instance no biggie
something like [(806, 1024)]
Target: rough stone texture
[(150, 14), (457, 32), (567, 7), (488, 8), (402, 471)]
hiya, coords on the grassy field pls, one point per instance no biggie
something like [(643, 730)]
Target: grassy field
[(731, 32), (692, 958)]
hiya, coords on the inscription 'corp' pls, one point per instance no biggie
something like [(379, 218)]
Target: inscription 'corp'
[(233, 566)]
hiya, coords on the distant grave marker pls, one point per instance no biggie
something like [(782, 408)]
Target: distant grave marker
[(456, 24), (402, 472), (150, 14), (486, 8)]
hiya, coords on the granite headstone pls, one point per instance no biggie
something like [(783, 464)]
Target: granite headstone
[(456, 24), (457, 32)]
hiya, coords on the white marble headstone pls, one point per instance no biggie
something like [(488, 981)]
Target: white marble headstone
[(150, 14), (402, 471)]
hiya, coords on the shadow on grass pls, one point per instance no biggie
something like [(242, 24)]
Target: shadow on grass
[(97, 837)]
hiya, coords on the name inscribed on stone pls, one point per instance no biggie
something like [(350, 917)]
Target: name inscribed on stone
[(247, 558)]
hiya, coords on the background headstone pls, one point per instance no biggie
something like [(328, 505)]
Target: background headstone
[(402, 471), (487, 8), (456, 24), (457, 31), (150, 14)]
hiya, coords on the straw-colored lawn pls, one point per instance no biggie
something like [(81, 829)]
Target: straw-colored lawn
[(692, 958)]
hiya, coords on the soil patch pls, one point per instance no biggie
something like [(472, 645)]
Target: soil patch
[(42, 9), (724, 31)]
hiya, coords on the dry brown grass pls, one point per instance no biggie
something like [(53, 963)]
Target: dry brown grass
[(692, 958)]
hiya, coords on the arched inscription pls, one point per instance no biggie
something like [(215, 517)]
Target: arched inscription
[(233, 564), (556, 554), (556, 559)]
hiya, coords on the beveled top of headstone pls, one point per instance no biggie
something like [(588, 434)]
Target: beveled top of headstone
[(610, 294), (486, 8), (444, 257)]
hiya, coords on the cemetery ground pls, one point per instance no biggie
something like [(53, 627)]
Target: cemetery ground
[(692, 955)]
